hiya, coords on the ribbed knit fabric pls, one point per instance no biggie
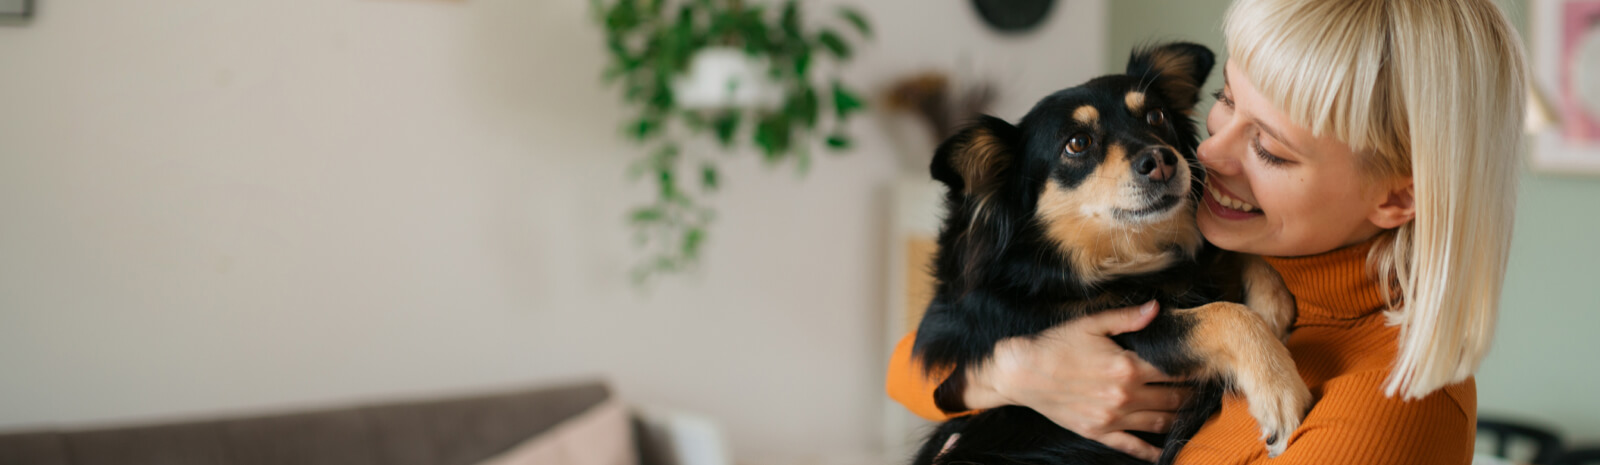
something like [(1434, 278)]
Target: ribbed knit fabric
[(1344, 350)]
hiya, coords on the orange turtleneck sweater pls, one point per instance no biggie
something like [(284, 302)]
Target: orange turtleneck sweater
[(1343, 349)]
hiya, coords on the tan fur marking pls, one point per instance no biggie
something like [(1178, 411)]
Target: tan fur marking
[(1234, 343), (1081, 221), (1135, 101), (978, 161), (1177, 68), (1266, 295), (1086, 114), (1172, 64)]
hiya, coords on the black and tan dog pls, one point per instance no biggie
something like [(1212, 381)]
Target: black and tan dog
[(1087, 205)]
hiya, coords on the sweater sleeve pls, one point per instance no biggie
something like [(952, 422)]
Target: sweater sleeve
[(1352, 423), (910, 386)]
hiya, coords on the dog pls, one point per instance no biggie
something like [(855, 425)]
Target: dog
[(1088, 204)]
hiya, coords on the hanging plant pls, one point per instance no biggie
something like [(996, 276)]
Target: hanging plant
[(728, 71)]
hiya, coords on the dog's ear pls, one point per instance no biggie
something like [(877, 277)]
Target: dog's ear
[(973, 160), (1178, 70)]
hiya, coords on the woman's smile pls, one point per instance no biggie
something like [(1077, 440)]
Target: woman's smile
[(1226, 205)]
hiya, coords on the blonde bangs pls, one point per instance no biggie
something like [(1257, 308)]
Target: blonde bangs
[(1320, 63)]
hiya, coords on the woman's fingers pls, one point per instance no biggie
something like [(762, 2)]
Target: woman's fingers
[(1149, 421), (1129, 445), (1122, 320), (1148, 373), (1157, 398)]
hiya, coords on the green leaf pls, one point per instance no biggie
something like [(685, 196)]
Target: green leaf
[(665, 181), (755, 34), (708, 176), (691, 243), (803, 106), (834, 43), (856, 19), (726, 125), (680, 39), (790, 20), (839, 142), (772, 135), (725, 22), (665, 161), (844, 101), (661, 97), (802, 63), (623, 16), (645, 127), (645, 215)]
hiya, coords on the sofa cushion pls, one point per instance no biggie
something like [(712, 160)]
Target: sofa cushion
[(601, 436)]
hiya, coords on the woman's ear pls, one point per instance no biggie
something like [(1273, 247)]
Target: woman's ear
[(1398, 208)]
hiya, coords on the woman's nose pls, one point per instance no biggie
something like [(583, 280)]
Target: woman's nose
[(1221, 153)]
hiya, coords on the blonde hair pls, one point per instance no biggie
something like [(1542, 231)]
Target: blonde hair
[(1427, 89)]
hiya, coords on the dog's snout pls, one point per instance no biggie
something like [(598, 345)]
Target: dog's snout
[(1156, 163)]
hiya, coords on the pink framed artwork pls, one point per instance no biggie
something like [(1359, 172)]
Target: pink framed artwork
[(1566, 58)]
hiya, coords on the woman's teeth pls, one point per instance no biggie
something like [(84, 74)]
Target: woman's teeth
[(1230, 202)]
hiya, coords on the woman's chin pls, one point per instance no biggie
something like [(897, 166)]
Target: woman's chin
[(1224, 233)]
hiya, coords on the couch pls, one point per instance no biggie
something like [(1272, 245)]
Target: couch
[(578, 424)]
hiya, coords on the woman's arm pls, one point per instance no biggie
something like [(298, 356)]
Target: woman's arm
[(1353, 422), (1073, 374)]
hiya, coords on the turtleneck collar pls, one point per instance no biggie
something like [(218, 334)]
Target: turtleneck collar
[(1337, 284)]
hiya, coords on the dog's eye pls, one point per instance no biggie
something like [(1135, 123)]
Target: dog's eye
[(1156, 118), (1078, 144)]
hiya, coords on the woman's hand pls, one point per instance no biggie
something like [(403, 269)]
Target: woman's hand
[(1076, 376)]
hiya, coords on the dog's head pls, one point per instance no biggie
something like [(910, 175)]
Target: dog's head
[(1103, 173)]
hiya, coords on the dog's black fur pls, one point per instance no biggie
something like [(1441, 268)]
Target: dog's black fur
[(1002, 273)]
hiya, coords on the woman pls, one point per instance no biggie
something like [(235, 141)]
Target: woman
[(1366, 148)]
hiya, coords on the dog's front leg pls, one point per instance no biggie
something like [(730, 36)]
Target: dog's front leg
[(1235, 343), (1265, 293)]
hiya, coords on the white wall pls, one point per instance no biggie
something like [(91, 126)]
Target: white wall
[(212, 207)]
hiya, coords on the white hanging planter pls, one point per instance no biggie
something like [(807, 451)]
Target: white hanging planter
[(726, 77)]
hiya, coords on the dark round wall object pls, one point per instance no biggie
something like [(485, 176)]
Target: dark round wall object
[(1013, 16)]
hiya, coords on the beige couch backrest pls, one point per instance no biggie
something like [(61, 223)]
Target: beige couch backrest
[(459, 431)]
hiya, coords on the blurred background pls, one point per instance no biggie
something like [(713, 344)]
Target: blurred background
[(233, 208)]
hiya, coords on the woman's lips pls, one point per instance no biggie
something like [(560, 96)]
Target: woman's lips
[(1227, 207)]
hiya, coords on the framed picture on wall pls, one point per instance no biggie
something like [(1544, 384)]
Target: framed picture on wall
[(16, 8), (1565, 45)]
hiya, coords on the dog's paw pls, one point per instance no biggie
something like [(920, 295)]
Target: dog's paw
[(1278, 409)]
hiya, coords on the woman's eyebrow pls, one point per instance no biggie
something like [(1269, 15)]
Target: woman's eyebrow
[(1278, 136)]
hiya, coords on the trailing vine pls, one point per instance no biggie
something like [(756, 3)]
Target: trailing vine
[(652, 42)]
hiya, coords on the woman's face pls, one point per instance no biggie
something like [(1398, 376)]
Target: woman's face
[(1275, 190)]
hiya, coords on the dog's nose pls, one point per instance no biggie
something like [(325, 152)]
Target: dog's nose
[(1156, 163)]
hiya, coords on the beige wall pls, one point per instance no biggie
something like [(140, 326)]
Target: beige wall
[(236, 206)]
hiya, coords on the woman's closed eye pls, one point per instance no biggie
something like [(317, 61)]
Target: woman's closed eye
[(1268, 157), (1222, 96)]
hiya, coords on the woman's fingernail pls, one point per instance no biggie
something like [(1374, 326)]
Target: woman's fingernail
[(948, 443), (1147, 308)]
